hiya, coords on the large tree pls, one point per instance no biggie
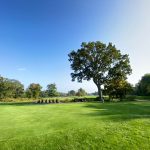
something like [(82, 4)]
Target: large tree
[(52, 90), (10, 88), (118, 88), (17, 89), (3, 87), (81, 92), (143, 86), (99, 62), (71, 93), (34, 90)]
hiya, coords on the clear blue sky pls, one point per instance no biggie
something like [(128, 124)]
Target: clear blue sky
[(37, 35)]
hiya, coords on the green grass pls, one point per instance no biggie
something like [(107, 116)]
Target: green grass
[(75, 126)]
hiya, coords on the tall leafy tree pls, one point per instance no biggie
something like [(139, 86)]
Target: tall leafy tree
[(17, 88), (52, 90), (71, 93), (81, 92), (34, 90), (10, 88), (143, 86), (3, 87), (118, 88), (99, 62)]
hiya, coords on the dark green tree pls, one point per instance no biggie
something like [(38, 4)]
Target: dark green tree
[(99, 62), (143, 86), (3, 87), (117, 88), (81, 92), (52, 90), (71, 93), (10, 88), (43, 94), (17, 88), (33, 91)]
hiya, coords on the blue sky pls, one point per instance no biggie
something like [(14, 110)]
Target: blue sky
[(37, 35)]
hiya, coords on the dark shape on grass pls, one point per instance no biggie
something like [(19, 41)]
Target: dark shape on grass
[(120, 111), (57, 101)]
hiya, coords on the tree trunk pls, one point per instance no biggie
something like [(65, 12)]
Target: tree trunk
[(100, 93)]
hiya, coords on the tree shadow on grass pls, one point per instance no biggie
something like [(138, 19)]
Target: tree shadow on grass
[(120, 111)]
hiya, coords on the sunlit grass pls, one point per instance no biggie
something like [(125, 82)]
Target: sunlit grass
[(75, 126)]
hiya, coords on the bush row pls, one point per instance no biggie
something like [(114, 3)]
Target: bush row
[(47, 101)]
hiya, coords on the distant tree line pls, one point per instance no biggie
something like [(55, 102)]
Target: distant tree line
[(10, 88), (80, 92)]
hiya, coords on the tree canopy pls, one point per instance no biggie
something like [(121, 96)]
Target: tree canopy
[(71, 93), (34, 90), (99, 62), (143, 86), (81, 92), (10, 88), (52, 90), (117, 88)]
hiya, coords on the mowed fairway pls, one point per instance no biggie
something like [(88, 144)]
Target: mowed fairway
[(87, 126)]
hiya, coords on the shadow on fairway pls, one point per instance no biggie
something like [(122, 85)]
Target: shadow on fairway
[(120, 111)]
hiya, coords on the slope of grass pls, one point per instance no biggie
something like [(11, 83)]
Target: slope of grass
[(75, 126)]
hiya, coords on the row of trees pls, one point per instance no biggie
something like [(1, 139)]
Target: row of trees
[(10, 88), (80, 92), (35, 91)]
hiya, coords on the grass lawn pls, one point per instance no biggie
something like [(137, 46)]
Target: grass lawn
[(76, 126)]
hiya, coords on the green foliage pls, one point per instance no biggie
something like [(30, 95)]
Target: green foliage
[(99, 62), (17, 88), (33, 91), (71, 93), (52, 90), (10, 88), (43, 94), (117, 88), (143, 87), (81, 92)]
